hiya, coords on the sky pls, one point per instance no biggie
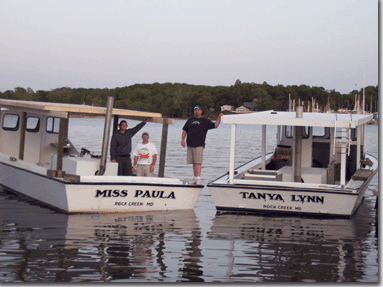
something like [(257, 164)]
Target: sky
[(48, 44)]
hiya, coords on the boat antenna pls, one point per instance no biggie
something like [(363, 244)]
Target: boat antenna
[(363, 90)]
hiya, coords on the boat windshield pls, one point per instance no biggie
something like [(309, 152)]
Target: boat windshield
[(289, 132)]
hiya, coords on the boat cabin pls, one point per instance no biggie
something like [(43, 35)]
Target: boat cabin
[(41, 136), (37, 133)]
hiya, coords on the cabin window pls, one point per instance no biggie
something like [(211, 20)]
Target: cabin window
[(319, 132), (353, 134), (33, 124), (53, 125), (289, 132), (339, 133), (306, 132), (11, 122)]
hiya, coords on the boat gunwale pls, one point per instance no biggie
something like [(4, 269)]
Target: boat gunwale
[(287, 187), (353, 192), (101, 183)]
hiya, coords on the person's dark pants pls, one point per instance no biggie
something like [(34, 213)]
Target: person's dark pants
[(124, 165)]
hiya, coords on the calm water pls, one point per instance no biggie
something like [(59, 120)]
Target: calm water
[(41, 245)]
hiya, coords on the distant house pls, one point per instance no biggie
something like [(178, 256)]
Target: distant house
[(343, 111), (249, 105), (242, 110), (227, 108)]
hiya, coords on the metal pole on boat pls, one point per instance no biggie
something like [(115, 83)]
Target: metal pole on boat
[(298, 147), (164, 139), (22, 135), (105, 139), (60, 147), (364, 101), (358, 148), (232, 152), (263, 147), (343, 158)]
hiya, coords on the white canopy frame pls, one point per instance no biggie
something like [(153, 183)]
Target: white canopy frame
[(333, 121)]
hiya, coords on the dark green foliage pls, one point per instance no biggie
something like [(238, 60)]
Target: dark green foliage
[(177, 100)]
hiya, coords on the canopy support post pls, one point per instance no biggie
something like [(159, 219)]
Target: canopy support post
[(232, 152), (358, 141), (343, 158), (22, 135), (263, 146), (164, 139), (61, 143), (105, 139), (298, 147)]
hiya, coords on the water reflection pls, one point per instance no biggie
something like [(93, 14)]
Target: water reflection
[(41, 245), (107, 248), (292, 249)]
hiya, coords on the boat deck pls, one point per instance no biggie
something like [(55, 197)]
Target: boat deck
[(250, 174)]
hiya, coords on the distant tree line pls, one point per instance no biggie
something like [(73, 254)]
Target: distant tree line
[(176, 100)]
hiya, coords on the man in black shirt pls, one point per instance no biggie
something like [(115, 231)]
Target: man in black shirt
[(121, 146), (196, 129)]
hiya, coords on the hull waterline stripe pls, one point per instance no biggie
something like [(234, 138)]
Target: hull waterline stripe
[(285, 213)]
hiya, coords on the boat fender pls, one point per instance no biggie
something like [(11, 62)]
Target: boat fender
[(84, 151), (12, 158), (367, 162)]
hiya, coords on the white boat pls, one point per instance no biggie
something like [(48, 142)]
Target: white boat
[(38, 161), (319, 166)]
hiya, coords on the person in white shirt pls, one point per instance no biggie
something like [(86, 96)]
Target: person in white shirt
[(145, 157)]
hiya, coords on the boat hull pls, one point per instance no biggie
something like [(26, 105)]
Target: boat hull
[(98, 194), (287, 197), (267, 200)]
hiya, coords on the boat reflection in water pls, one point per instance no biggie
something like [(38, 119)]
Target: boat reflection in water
[(292, 249), (48, 246)]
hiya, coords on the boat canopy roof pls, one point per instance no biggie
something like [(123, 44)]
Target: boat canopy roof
[(62, 110), (290, 119)]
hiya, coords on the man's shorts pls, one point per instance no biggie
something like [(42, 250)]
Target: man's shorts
[(143, 170), (194, 155)]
